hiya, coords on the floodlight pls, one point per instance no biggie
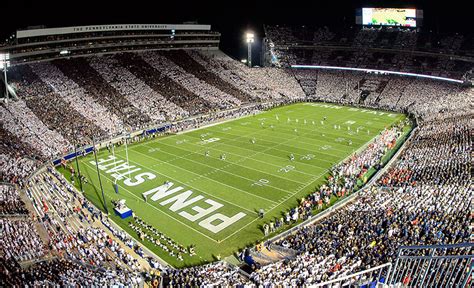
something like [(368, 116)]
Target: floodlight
[(4, 60), (250, 38)]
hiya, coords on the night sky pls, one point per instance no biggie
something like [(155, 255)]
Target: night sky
[(231, 18)]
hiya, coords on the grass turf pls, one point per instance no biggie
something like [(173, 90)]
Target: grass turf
[(253, 175)]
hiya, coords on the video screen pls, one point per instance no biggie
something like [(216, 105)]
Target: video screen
[(389, 17)]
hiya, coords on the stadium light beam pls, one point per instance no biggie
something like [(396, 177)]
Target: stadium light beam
[(249, 38)]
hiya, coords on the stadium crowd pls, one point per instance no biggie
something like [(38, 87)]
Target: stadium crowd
[(427, 99), (82, 72), (190, 65), (52, 109), (20, 240), (147, 100), (345, 178), (78, 98), (175, 92), (190, 81), (62, 272), (227, 75), (385, 48), (424, 207), (423, 198), (20, 121), (10, 201), (77, 241), (217, 274)]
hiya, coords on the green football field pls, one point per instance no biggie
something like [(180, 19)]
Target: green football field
[(213, 203)]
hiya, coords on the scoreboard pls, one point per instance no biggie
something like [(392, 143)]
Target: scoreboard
[(399, 17)]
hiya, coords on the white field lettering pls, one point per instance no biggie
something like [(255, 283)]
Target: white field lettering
[(380, 113), (210, 140), (168, 195)]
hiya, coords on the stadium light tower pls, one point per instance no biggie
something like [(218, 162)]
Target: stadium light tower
[(250, 38), (4, 63)]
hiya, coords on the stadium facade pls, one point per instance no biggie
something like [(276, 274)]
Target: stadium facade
[(38, 44)]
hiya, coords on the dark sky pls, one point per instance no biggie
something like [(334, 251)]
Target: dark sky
[(231, 18)]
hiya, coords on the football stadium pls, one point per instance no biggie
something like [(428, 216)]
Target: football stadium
[(320, 154)]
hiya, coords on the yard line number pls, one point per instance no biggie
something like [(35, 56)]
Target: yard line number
[(262, 182), (286, 169)]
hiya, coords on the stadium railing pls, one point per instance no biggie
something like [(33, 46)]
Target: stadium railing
[(434, 266), (367, 278), (417, 266)]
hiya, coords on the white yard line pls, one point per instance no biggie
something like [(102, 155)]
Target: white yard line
[(284, 142), (310, 130), (247, 135), (269, 155), (300, 141), (226, 184), (235, 163), (325, 128), (251, 194), (232, 163), (316, 178)]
